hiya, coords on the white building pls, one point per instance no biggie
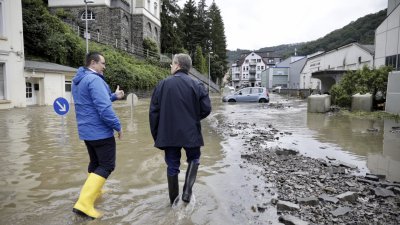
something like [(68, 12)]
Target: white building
[(12, 81), (324, 69), (387, 52), (247, 70), (47, 81)]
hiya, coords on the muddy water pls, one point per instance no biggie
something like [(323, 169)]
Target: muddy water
[(42, 164)]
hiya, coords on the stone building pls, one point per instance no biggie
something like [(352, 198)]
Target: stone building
[(121, 23)]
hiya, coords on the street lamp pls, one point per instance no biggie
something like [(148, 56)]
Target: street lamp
[(209, 72), (86, 22)]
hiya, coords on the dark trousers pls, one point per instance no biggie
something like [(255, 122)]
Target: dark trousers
[(173, 158), (102, 156)]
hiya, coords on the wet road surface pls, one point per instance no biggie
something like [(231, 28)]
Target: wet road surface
[(43, 164)]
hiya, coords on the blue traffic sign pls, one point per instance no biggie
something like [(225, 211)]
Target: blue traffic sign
[(61, 106)]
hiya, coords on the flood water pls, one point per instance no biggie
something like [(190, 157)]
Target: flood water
[(43, 164)]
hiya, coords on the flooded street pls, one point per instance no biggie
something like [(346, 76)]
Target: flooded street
[(43, 163)]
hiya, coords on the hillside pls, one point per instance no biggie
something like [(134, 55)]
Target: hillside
[(362, 31)]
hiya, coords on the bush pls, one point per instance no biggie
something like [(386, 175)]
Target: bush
[(360, 81)]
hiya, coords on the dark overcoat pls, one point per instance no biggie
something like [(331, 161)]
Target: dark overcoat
[(177, 105)]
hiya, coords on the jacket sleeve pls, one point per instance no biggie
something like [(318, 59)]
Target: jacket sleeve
[(101, 99), (154, 112), (205, 103)]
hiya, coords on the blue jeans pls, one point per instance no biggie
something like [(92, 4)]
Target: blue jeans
[(102, 156), (173, 158)]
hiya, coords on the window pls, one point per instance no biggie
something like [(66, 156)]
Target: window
[(2, 86), (262, 67), (258, 60), (245, 91), (246, 61), (1, 19), (258, 76), (258, 67), (149, 26), (156, 33), (28, 90), (67, 86), (155, 8), (90, 15), (391, 61)]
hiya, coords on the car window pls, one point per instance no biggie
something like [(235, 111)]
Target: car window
[(245, 91), (256, 90)]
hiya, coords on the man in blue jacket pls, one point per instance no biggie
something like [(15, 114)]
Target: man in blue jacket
[(177, 105), (96, 124)]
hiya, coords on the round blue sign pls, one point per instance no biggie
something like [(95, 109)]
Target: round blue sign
[(61, 106)]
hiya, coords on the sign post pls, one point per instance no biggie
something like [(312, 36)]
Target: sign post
[(61, 107)]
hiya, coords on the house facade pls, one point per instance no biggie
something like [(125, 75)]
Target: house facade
[(285, 74), (47, 81), (121, 23), (323, 69), (12, 81), (246, 72), (387, 52)]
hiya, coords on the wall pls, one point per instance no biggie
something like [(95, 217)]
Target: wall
[(393, 93), (12, 54), (387, 38)]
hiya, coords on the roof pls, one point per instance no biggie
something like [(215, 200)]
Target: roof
[(48, 66)]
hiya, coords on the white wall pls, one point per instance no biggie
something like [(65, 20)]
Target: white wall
[(54, 87), (12, 54), (343, 58), (55, 3), (393, 93), (387, 38)]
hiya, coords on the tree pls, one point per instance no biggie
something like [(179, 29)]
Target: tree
[(170, 34), (47, 37), (199, 61), (188, 26), (202, 26), (360, 81), (217, 43)]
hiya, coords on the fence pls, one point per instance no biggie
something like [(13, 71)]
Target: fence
[(139, 51)]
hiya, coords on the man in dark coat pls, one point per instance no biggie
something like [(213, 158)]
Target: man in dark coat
[(177, 105)]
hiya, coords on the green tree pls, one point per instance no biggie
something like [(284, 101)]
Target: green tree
[(45, 36), (170, 34), (188, 26), (202, 26), (217, 43), (360, 81), (199, 61)]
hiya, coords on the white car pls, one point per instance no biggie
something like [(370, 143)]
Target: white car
[(248, 94)]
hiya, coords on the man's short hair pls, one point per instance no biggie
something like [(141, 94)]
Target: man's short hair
[(92, 56), (184, 61)]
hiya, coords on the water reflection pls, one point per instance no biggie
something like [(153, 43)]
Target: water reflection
[(369, 140)]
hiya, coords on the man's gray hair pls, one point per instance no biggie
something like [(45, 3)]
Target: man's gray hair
[(184, 61)]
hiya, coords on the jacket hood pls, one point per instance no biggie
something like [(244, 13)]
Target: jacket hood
[(79, 75)]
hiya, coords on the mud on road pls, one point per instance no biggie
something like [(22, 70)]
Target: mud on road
[(309, 190)]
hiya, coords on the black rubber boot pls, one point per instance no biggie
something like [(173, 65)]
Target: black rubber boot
[(173, 188), (189, 181)]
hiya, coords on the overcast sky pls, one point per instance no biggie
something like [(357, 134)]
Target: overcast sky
[(254, 24)]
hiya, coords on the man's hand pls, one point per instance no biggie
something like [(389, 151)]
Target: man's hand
[(120, 135), (119, 93)]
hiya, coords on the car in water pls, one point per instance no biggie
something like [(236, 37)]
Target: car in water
[(248, 94)]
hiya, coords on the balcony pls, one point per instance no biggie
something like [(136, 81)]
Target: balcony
[(252, 78)]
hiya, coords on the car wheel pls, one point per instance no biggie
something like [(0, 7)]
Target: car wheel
[(231, 100), (263, 100)]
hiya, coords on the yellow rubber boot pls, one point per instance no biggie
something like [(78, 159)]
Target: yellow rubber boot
[(101, 192), (90, 191)]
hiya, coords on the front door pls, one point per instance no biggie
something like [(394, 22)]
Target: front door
[(30, 94)]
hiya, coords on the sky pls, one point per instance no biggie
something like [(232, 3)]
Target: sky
[(254, 24)]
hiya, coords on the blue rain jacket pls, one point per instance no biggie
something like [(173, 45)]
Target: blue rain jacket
[(177, 105), (93, 106)]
